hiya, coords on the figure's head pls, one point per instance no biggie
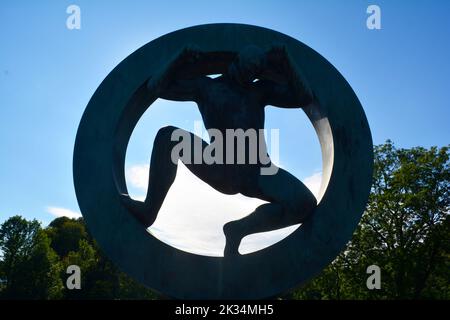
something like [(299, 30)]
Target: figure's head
[(248, 65)]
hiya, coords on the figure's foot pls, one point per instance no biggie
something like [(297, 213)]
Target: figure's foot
[(233, 239), (139, 210)]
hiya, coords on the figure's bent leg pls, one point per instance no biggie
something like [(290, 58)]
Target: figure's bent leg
[(163, 171), (290, 202), (161, 176)]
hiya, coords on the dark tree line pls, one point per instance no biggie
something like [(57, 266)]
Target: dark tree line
[(34, 262), (405, 231)]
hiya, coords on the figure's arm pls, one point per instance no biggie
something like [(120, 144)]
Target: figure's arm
[(169, 83), (186, 89), (285, 85), (282, 95)]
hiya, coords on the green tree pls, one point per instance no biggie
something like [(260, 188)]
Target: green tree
[(86, 258), (100, 278), (65, 235), (30, 267), (405, 231)]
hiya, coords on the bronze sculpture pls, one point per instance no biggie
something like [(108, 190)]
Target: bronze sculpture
[(122, 98), (233, 100)]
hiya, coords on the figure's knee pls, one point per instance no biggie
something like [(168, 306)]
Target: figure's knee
[(163, 145), (164, 141), (165, 134)]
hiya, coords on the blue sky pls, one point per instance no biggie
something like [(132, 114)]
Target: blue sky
[(48, 74)]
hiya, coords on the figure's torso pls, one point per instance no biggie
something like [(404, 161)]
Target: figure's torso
[(224, 105)]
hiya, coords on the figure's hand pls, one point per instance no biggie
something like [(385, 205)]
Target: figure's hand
[(276, 64), (277, 53), (277, 48), (281, 62), (189, 54)]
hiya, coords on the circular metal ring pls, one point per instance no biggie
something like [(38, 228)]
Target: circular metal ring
[(99, 178)]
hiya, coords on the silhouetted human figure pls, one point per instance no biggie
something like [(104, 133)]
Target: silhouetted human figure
[(234, 100)]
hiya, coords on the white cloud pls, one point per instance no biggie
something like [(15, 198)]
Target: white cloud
[(63, 212), (138, 176), (313, 183), (193, 213)]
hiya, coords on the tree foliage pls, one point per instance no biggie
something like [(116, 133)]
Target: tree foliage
[(66, 234), (34, 262), (29, 266), (405, 231)]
